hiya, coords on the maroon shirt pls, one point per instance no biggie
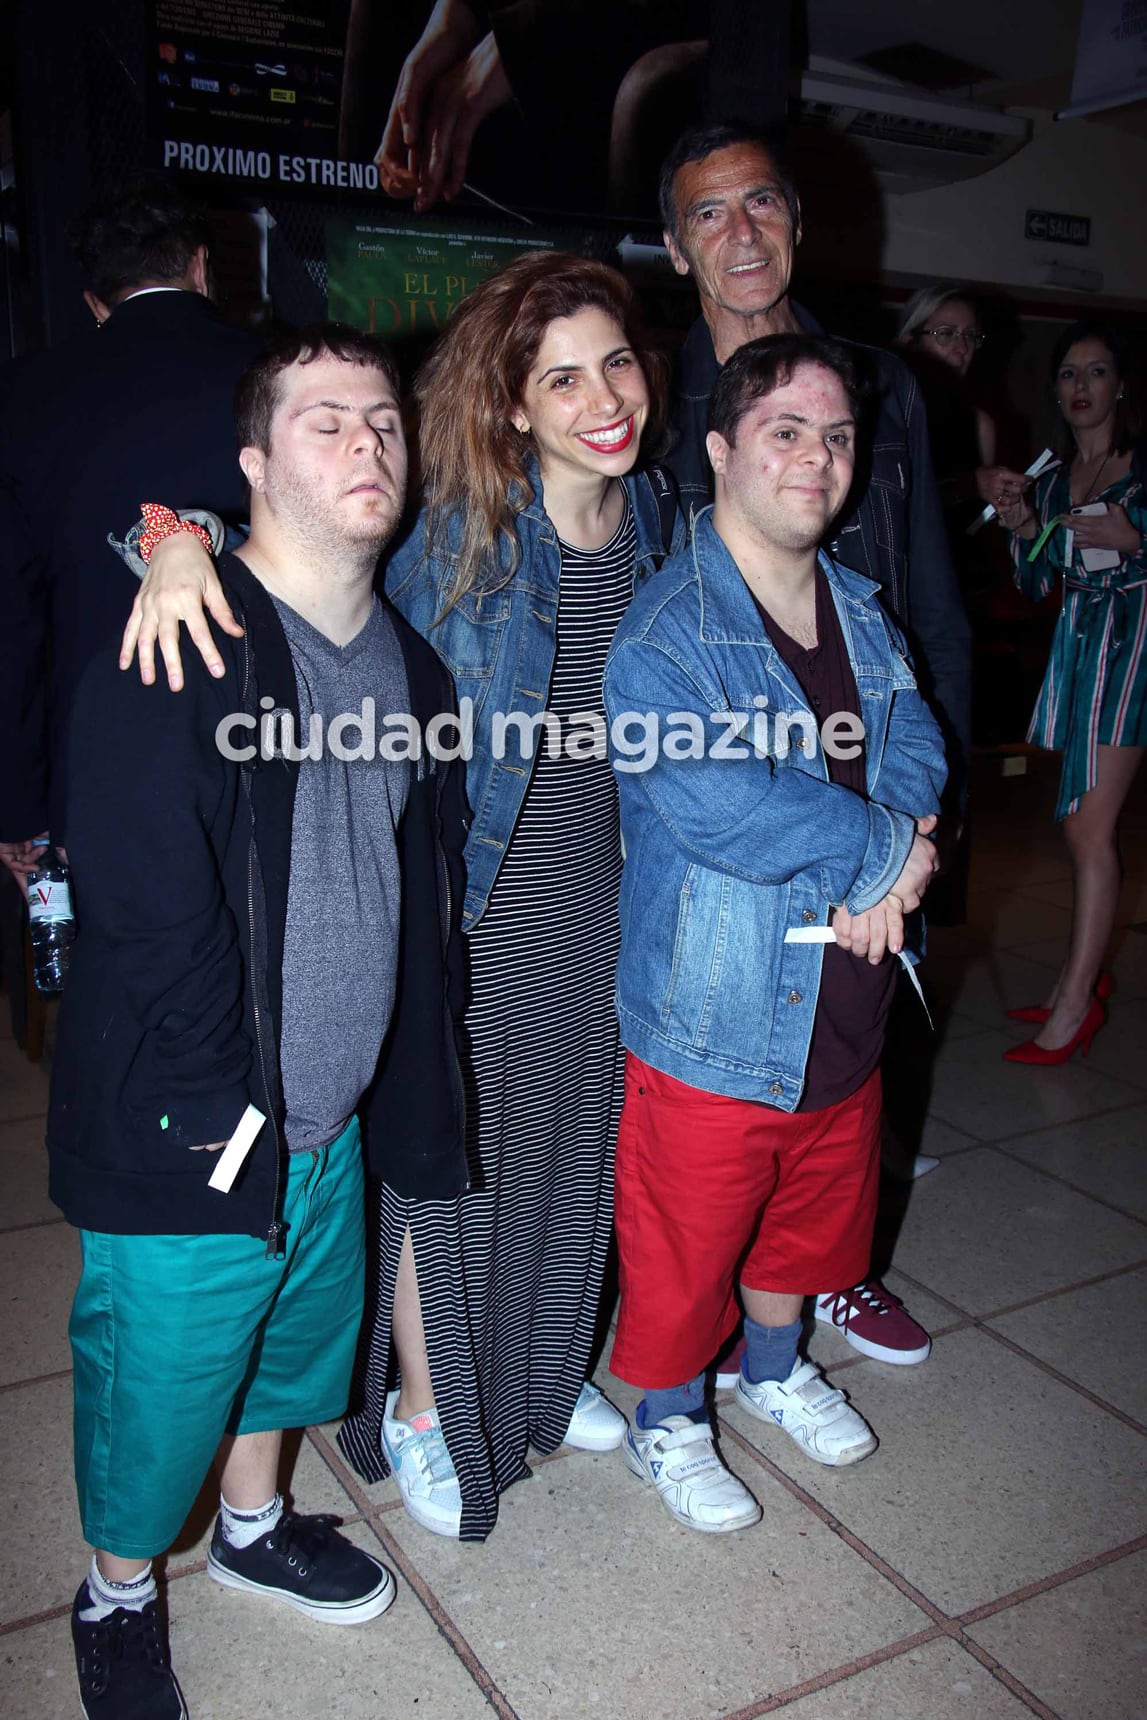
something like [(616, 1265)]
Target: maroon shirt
[(855, 996)]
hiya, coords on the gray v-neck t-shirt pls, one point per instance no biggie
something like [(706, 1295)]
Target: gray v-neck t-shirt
[(340, 949)]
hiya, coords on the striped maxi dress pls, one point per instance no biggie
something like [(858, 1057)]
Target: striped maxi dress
[(1094, 691), (510, 1273)]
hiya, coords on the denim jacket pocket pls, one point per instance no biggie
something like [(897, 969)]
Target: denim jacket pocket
[(468, 639), (700, 940)]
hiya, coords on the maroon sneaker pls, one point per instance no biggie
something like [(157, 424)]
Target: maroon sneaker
[(875, 1323)]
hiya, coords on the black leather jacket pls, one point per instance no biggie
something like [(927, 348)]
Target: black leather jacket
[(892, 528)]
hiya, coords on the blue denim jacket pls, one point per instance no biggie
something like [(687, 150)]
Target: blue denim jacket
[(724, 855), (499, 645)]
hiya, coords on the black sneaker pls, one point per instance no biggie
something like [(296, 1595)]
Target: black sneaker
[(306, 1563), (124, 1664)]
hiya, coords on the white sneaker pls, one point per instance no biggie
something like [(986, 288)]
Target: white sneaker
[(813, 1413), (677, 1456), (595, 1425), (921, 1165), (421, 1464)]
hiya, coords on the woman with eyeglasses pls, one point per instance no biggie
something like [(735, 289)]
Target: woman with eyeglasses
[(1086, 524), (941, 335)]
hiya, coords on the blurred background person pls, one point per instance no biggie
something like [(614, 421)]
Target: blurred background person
[(940, 336), (1093, 703), (136, 410)]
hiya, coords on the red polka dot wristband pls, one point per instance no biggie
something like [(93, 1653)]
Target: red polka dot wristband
[(159, 523)]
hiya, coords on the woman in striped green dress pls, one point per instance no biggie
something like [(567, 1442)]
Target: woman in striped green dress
[(1092, 706)]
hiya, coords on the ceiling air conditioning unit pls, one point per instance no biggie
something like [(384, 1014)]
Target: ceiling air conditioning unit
[(912, 139)]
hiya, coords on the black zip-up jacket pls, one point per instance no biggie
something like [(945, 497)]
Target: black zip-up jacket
[(892, 528), (171, 1015)]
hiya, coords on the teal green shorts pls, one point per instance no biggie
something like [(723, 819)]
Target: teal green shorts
[(177, 1340)]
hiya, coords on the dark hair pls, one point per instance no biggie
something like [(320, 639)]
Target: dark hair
[(761, 366), (144, 229), (1128, 423), (474, 462), (699, 141), (258, 393)]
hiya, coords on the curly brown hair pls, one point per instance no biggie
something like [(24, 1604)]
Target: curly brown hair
[(474, 462)]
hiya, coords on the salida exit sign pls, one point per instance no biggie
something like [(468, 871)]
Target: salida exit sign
[(1057, 229)]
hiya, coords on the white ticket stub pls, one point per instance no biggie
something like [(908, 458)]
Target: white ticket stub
[(1042, 463), (230, 1160), (826, 935)]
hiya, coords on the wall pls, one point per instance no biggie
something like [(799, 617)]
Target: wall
[(975, 230)]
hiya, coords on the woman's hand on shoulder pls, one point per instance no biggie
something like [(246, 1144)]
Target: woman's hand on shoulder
[(181, 586)]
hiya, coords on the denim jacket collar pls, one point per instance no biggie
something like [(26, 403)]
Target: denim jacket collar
[(539, 547), (729, 616)]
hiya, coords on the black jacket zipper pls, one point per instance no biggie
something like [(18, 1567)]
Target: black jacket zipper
[(274, 1229)]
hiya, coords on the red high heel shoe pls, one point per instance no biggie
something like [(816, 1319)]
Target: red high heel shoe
[(1037, 1013), (1030, 1052)]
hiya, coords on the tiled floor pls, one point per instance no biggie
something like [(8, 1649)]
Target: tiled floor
[(988, 1563)]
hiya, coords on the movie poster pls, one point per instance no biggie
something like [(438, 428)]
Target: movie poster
[(251, 90), (558, 108), (402, 280)]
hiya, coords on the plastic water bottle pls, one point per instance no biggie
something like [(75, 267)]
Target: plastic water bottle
[(53, 924)]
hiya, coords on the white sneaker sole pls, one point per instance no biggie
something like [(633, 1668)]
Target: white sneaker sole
[(745, 1521), (831, 1460), (439, 1523), (876, 1352), (596, 1441), (330, 1612), (448, 1524)]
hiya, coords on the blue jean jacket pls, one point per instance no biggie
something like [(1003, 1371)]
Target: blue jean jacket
[(499, 645), (724, 854)]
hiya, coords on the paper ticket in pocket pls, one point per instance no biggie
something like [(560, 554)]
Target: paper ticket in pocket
[(230, 1160)]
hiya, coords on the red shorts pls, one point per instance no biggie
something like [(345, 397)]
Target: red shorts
[(712, 1192)]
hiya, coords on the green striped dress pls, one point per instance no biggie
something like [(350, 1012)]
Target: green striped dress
[(1095, 690)]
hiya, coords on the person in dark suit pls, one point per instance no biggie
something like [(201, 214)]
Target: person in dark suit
[(139, 408)]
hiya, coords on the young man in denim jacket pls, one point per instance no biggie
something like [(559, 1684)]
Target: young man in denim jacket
[(778, 771)]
